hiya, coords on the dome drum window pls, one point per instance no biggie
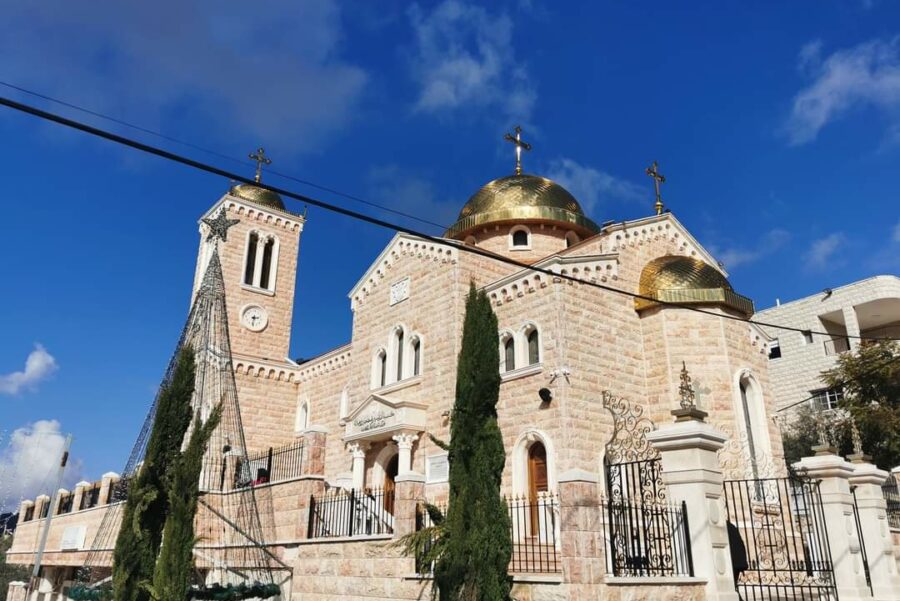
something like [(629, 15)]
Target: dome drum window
[(520, 238)]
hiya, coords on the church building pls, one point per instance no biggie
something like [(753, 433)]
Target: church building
[(586, 373)]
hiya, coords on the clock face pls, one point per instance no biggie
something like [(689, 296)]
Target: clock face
[(254, 318)]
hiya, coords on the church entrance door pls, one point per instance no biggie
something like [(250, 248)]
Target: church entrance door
[(390, 473), (537, 483)]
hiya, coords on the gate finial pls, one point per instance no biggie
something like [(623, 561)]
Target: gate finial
[(687, 400)]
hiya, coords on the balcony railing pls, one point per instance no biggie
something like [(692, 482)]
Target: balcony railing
[(276, 465), (836, 345), (341, 512)]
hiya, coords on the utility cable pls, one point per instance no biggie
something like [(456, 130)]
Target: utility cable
[(100, 133)]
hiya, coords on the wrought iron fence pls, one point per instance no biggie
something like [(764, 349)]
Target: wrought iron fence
[(534, 533), (275, 465), (647, 539), (90, 497), (892, 497), (636, 480), (780, 526), (862, 541), (341, 512)]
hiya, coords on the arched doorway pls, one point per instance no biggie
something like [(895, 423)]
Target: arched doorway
[(537, 482)]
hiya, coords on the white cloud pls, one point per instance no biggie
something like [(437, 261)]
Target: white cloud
[(592, 187), (274, 74), (28, 463), (770, 243), (865, 75), (38, 366), (465, 58), (821, 252)]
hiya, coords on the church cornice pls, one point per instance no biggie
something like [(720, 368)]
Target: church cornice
[(401, 245), (589, 268), (631, 234), (258, 368), (324, 363), (252, 212)]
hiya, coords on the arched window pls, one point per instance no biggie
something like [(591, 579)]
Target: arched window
[(399, 350), (268, 252), (520, 237), (470, 241), (379, 369), (572, 239), (754, 421), (534, 343), (249, 268), (537, 470), (302, 421), (509, 354), (416, 356)]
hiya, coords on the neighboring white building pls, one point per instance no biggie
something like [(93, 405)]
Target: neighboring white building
[(868, 308)]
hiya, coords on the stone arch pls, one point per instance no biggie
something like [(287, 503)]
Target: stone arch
[(752, 419), (381, 462), (520, 451), (302, 418)]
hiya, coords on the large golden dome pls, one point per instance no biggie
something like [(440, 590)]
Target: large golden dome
[(687, 280), (522, 198), (260, 196)]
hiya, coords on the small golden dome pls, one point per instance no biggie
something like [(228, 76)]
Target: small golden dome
[(686, 280), (522, 198), (260, 196)]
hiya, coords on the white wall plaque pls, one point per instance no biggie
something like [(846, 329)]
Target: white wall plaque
[(399, 291), (437, 469), (73, 538)]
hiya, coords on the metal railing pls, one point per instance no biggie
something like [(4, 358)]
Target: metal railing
[(646, 539), (341, 512), (891, 494), (276, 465), (534, 533)]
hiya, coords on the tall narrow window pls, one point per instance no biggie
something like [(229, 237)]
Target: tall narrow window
[(399, 355), (417, 356), (251, 259), (748, 422), (534, 355), (266, 269), (509, 352), (382, 367), (302, 417)]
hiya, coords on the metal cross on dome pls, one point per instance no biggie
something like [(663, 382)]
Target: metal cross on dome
[(261, 159), (658, 178), (218, 227), (520, 146)]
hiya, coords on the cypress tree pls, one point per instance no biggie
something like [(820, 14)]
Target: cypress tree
[(474, 563), (172, 576), (139, 538)]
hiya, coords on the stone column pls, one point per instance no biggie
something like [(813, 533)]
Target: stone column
[(59, 497), (15, 591), (872, 510), (852, 325), (79, 494), (405, 443), (314, 450), (691, 472), (409, 492), (258, 260), (837, 509), (39, 502), (106, 487), (23, 507), (358, 451), (580, 535)]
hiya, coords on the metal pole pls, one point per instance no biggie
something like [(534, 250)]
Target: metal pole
[(39, 554)]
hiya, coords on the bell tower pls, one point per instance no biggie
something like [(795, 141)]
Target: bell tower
[(259, 250)]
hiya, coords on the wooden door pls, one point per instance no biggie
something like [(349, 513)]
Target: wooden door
[(537, 482), (390, 473)]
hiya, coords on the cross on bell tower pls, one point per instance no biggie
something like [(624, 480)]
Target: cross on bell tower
[(658, 178), (520, 146), (261, 159)]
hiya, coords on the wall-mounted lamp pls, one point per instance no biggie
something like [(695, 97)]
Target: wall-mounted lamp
[(546, 395)]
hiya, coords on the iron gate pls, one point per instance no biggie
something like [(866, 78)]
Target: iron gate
[(782, 526)]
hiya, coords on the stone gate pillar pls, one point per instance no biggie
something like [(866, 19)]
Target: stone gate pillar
[(872, 510), (580, 533), (837, 508), (409, 491), (691, 472)]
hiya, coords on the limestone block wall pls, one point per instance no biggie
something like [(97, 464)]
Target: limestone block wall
[(268, 397), (798, 370), (545, 240)]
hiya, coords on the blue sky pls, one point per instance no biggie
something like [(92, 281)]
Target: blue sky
[(776, 124)]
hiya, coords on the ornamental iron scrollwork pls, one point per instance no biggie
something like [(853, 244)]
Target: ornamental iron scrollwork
[(633, 469)]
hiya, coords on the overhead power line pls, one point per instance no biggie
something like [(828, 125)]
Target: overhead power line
[(217, 154), (100, 133)]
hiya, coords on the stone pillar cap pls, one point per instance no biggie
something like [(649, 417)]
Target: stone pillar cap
[(42, 497), (577, 475), (866, 473), (410, 477), (62, 491), (825, 466), (687, 435), (27, 502), (315, 429), (111, 475), (82, 484)]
